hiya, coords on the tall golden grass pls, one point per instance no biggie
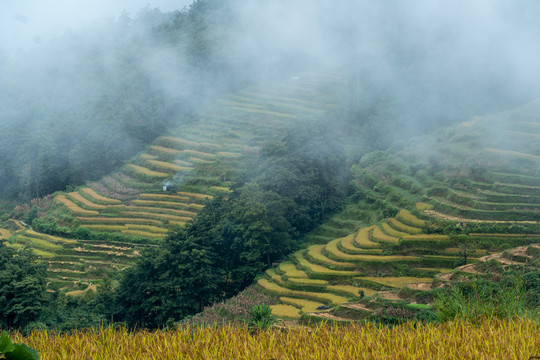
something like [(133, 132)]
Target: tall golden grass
[(78, 197), (491, 339), (5, 234), (74, 207)]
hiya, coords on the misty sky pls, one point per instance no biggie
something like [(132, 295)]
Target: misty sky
[(28, 23)]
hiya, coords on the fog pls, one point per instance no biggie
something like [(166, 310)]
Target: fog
[(70, 73)]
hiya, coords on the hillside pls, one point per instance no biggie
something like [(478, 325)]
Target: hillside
[(97, 229), (452, 204)]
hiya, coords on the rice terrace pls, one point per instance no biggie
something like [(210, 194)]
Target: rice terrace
[(352, 181)]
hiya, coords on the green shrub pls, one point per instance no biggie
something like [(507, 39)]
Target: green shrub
[(13, 351)]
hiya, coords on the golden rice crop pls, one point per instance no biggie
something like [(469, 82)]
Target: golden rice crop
[(18, 224), (115, 220), (181, 141), (221, 188), (164, 197), (396, 282), (199, 153), (38, 243), (165, 150), (379, 235), (162, 210), (94, 195), (55, 239), (74, 207), (147, 228), (285, 311), (362, 240), (199, 160), (143, 233), (290, 270), (105, 227), (146, 171), (195, 195), (229, 154), (491, 339), (426, 237), (347, 243), (410, 219), (353, 290), (315, 252), (317, 269), (78, 197), (423, 206), (310, 282), (279, 290), (391, 231), (5, 234), (275, 277), (158, 203), (156, 216), (147, 157), (167, 166), (305, 305), (396, 224)]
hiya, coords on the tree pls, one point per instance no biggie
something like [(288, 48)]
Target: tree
[(22, 287)]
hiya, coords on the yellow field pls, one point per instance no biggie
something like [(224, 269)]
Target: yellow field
[(396, 282), (162, 165), (305, 305), (378, 234), (181, 141), (146, 171), (426, 237), (362, 238), (314, 251), (321, 270), (165, 150), (51, 238), (285, 311), (278, 290), (291, 271), (403, 227), (156, 216), (229, 154), (309, 282), (94, 195), (74, 207), (158, 203), (332, 248), (105, 227), (143, 233), (5, 234), (195, 195), (220, 188), (107, 220), (78, 197), (491, 339), (409, 218), (391, 231), (199, 153), (353, 290), (275, 277), (164, 197), (162, 210), (423, 206)]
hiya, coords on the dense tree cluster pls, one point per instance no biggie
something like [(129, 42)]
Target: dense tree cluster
[(299, 181)]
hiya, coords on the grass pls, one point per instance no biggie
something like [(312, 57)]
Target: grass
[(38, 243), (396, 282), (144, 233), (423, 206), (97, 197), (74, 207), (490, 339), (274, 276)]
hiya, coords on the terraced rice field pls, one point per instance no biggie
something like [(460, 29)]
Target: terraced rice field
[(131, 205)]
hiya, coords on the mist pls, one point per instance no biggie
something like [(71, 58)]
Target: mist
[(84, 88)]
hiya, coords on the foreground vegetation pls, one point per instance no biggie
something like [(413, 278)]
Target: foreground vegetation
[(491, 339)]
